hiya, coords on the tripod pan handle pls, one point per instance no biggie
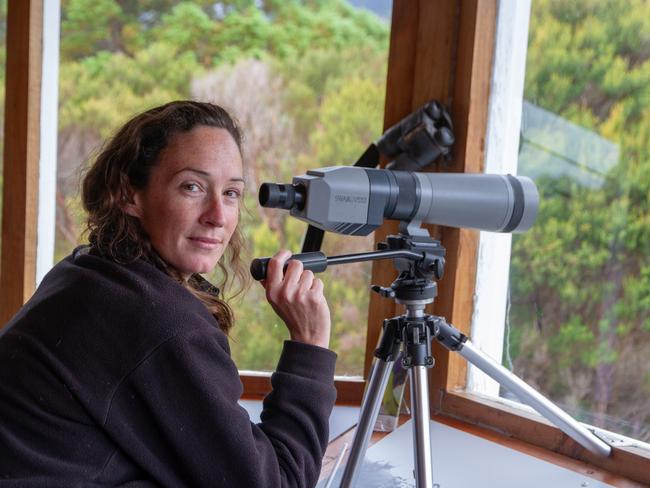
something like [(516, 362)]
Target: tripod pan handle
[(315, 261)]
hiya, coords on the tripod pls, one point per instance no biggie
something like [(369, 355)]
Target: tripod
[(420, 259)]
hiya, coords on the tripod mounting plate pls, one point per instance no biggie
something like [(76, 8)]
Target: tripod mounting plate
[(430, 265)]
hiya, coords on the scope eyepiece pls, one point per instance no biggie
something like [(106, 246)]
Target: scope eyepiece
[(284, 196)]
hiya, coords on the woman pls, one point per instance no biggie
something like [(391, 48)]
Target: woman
[(118, 371)]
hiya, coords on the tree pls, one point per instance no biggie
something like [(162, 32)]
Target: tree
[(281, 67), (580, 278)]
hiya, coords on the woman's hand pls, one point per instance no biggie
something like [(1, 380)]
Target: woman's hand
[(297, 297)]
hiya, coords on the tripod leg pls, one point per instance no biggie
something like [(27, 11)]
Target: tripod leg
[(535, 399), (368, 415), (421, 431)]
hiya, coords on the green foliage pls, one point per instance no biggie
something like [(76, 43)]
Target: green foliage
[(350, 117), (264, 241), (100, 91), (257, 337), (189, 29), (87, 26), (320, 73), (580, 280), (327, 63)]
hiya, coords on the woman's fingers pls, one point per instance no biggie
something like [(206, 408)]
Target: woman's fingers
[(274, 269), (297, 297), (293, 272), (306, 280), (317, 286)]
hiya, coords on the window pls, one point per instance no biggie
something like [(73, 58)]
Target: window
[(577, 322), (306, 82), (439, 50)]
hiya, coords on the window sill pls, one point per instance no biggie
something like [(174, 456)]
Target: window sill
[(257, 384), (631, 462)]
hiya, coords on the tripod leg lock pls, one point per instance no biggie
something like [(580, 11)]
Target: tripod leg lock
[(416, 336), (448, 335), (389, 344)]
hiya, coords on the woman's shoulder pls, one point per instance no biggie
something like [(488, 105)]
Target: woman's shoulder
[(92, 322), (134, 296)]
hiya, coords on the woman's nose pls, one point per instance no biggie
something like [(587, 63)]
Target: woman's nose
[(214, 214)]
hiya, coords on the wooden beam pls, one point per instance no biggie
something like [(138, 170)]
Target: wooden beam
[(399, 90), (419, 70), (440, 51), (21, 154), (470, 92)]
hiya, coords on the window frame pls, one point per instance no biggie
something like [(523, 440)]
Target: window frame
[(501, 157), (472, 25), (438, 50), (21, 154)]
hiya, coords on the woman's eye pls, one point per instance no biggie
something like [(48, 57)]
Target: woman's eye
[(191, 187), (233, 193)]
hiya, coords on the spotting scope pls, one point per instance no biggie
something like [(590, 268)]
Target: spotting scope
[(355, 201)]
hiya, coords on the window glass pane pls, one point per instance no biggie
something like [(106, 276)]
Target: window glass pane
[(306, 80), (579, 315)]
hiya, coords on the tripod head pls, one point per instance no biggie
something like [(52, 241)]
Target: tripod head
[(416, 275), (418, 258)]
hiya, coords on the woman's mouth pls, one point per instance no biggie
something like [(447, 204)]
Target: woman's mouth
[(205, 242)]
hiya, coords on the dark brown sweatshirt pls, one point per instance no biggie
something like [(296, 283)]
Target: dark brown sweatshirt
[(115, 375)]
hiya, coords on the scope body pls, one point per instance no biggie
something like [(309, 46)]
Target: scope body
[(355, 201)]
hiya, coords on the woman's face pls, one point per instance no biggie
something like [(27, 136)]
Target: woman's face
[(190, 206)]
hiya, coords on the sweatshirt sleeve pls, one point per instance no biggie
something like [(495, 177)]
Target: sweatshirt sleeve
[(176, 415)]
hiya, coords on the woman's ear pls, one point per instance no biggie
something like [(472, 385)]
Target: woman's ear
[(132, 204)]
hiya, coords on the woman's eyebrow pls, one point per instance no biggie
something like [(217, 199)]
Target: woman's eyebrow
[(193, 170), (208, 174)]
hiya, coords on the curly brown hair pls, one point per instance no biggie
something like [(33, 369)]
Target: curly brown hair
[(124, 165)]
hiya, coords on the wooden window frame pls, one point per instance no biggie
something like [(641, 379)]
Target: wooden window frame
[(439, 50), (21, 154), (443, 50)]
